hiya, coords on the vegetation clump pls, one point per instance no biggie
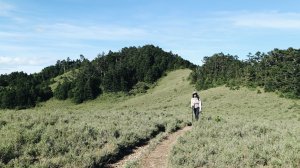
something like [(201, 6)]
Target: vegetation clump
[(112, 72), (276, 71), (140, 87)]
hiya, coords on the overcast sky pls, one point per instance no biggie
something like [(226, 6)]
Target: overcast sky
[(36, 33)]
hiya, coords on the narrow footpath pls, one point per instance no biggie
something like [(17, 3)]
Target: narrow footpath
[(158, 158)]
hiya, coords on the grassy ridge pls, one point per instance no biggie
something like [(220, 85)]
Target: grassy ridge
[(60, 134), (242, 128), (239, 128), (69, 76)]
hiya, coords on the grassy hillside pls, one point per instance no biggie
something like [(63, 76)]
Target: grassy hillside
[(69, 76), (61, 134), (242, 128)]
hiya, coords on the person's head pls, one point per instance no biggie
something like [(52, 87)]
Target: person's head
[(195, 94)]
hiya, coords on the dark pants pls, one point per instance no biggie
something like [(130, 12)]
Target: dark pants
[(196, 113)]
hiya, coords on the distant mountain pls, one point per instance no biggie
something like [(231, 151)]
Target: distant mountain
[(82, 79)]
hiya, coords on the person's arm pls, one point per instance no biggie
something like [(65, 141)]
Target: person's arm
[(192, 102), (200, 105)]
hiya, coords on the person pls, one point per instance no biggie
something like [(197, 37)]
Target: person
[(196, 105)]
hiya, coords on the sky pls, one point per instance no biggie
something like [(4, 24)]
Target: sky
[(36, 33)]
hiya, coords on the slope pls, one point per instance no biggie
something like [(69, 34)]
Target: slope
[(61, 134), (242, 128)]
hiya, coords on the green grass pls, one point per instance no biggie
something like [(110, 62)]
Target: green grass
[(60, 79), (239, 128), (61, 134), (242, 128)]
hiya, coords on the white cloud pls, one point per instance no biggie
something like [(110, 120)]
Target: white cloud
[(24, 68), (4, 60), (96, 32), (275, 20)]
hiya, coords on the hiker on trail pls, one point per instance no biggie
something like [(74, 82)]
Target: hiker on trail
[(196, 105)]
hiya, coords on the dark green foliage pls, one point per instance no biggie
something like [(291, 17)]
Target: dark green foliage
[(86, 85), (59, 68), (20, 90), (121, 71), (61, 91), (140, 87), (233, 84), (279, 70), (114, 72), (217, 70), (218, 119)]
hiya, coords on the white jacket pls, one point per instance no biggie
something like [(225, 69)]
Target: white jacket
[(196, 103)]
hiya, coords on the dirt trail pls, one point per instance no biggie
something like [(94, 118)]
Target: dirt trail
[(158, 158)]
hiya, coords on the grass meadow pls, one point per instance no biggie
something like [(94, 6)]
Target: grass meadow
[(241, 128), (61, 134)]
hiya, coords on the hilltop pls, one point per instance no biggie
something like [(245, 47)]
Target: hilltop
[(131, 68)]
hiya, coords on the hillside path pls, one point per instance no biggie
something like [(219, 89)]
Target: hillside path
[(158, 158)]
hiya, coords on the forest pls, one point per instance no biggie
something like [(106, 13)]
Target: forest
[(275, 71), (133, 68), (124, 70)]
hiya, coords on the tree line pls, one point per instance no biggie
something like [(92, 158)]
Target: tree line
[(277, 70), (21, 90), (111, 72)]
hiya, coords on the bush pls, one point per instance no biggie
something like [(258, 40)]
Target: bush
[(140, 87)]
